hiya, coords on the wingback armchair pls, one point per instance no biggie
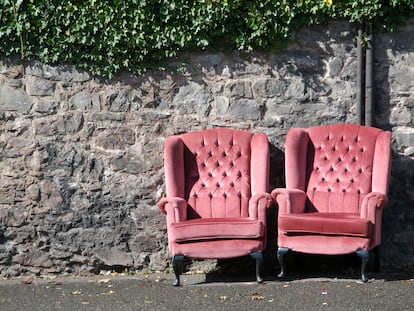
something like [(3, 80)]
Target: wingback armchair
[(336, 188), (216, 195)]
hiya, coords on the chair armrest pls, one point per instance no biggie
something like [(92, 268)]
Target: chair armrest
[(175, 208), (371, 204), (258, 205), (289, 201)]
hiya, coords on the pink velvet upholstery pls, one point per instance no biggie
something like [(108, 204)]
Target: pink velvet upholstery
[(336, 188), (216, 193)]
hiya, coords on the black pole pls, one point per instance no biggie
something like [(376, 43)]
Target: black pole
[(360, 91), (369, 73)]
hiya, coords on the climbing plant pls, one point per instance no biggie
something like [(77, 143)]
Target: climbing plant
[(109, 36)]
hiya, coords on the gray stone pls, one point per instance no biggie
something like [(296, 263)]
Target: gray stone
[(46, 106), (85, 101), (118, 138), (335, 66), (270, 87), (404, 136), (39, 87), (12, 99), (192, 98), (57, 73), (238, 89), (119, 101), (245, 109), (113, 257)]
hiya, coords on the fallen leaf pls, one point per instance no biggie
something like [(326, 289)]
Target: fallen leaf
[(85, 302), (104, 281), (257, 297), (27, 281)]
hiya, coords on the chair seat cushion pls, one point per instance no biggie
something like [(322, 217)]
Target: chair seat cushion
[(345, 224), (216, 228)]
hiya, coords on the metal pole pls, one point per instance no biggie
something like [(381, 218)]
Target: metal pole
[(360, 87), (369, 73)]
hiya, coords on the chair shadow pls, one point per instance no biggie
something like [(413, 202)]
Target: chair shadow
[(301, 267)]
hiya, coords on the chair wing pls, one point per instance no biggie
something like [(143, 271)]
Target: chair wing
[(336, 187), (216, 194)]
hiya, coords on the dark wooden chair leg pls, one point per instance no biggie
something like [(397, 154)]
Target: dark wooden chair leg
[(364, 255), (177, 261), (281, 252), (258, 256)]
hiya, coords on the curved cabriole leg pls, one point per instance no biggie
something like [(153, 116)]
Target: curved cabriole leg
[(281, 252), (258, 256), (364, 254), (177, 261)]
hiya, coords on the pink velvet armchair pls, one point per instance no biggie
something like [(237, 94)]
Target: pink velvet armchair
[(336, 188), (216, 195)]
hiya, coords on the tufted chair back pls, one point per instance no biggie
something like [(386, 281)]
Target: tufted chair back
[(339, 163), (217, 173)]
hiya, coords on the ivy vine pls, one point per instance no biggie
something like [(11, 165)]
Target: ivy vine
[(109, 36)]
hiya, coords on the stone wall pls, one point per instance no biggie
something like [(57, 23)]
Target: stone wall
[(81, 158)]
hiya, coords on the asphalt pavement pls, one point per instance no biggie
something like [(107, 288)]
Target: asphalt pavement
[(384, 291)]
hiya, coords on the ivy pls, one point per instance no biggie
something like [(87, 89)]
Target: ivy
[(109, 36)]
